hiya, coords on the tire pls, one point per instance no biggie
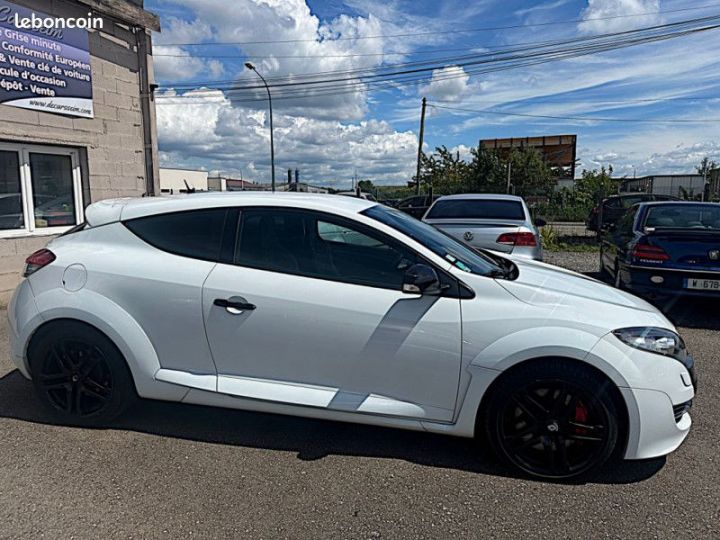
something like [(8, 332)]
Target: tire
[(553, 420), (617, 281), (603, 273), (79, 374)]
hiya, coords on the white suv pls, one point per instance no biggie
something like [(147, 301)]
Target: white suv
[(340, 308)]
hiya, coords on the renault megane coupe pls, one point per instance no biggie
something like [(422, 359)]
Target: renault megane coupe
[(344, 309)]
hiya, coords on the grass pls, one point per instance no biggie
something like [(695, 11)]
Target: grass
[(581, 244), (573, 247)]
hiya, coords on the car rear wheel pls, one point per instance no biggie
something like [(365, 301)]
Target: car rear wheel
[(604, 274), (618, 278), (553, 420), (78, 374)]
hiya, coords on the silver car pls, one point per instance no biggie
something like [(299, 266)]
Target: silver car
[(498, 222)]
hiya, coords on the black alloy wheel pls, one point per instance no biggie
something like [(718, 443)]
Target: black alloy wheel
[(552, 426), (79, 374), (76, 378)]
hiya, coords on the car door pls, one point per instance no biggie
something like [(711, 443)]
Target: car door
[(615, 247), (317, 318), (163, 288)]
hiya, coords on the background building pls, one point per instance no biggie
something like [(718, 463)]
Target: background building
[(179, 180), (88, 133), (676, 185), (558, 151)]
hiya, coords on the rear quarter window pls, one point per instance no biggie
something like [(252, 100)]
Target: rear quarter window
[(196, 233), (477, 209)]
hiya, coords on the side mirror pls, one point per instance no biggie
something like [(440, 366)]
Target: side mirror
[(540, 222), (421, 279)]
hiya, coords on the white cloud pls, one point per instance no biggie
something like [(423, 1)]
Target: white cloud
[(178, 65), (311, 41), (549, 6), (212, 133), (447, 84), (618, 15), (658, 150)]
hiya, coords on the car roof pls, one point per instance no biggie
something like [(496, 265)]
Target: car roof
[(676, 203), (110, 210), (640, 194), (482, 196)]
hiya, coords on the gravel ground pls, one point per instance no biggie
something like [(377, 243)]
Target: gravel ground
[(175, 471), (581, 261)]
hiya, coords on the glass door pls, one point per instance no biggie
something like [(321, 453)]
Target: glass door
[(12, 216)]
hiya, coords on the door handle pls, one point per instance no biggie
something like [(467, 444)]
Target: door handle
[(234, 306)]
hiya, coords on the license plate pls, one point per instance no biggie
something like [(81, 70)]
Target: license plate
[(703, 284)]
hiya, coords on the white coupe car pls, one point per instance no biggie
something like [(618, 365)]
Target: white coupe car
[(344, 309)]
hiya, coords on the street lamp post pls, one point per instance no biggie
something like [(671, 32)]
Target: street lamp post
[(251, 67)]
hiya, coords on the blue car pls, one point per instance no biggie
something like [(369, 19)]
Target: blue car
[(663, 249)]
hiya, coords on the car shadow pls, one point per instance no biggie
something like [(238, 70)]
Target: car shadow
[(684, 311), (310, 439)]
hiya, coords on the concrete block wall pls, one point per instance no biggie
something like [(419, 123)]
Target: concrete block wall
[(112, 140)]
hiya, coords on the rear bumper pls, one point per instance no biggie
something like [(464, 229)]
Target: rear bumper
[(22, 315), (534, 253), (638, 280)]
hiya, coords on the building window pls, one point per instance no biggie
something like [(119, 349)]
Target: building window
[(39, 190)]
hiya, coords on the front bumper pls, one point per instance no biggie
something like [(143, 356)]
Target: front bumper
[(654, 388), (657, 432)]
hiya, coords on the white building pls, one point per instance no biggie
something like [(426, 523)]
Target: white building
[(179, 180)]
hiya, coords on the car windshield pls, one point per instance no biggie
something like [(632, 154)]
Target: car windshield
[(453, 251), (476, 209), (684, 216)]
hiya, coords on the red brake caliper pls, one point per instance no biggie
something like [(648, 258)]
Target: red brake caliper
[(581, 416)]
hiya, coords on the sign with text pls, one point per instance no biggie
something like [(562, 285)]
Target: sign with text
[(43, 68)]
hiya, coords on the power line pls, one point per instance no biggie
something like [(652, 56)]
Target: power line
[(599, 43), (440, 32), (509, 58), (580, 118)]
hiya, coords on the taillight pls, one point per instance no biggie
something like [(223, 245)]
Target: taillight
[(517, 239), (646, 253), (595, 211), (37, 260)]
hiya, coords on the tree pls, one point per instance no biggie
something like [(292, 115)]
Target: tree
[(706, 165), (596, 185), (444, 170), (486, 172), (366, 186), (529, 173)]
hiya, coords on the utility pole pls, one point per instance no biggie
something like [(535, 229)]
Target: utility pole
[(705, 171), (419, 156), (508, 178)]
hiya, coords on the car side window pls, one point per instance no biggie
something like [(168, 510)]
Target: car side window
[(628, 202), (330, 232), (625, 225), (317, 245), (194, 233)]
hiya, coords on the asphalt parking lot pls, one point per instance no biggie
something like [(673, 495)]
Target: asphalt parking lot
[(179, 471)]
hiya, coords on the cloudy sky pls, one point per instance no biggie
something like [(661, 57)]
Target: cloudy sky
[(656, 92)]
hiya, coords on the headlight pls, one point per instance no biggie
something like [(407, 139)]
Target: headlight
[(654, 340)]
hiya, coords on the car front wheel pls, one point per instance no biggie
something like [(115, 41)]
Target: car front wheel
[(553, 420), (79, 374)]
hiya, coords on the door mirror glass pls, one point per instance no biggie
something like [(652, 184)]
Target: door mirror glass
[(421, 279)]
